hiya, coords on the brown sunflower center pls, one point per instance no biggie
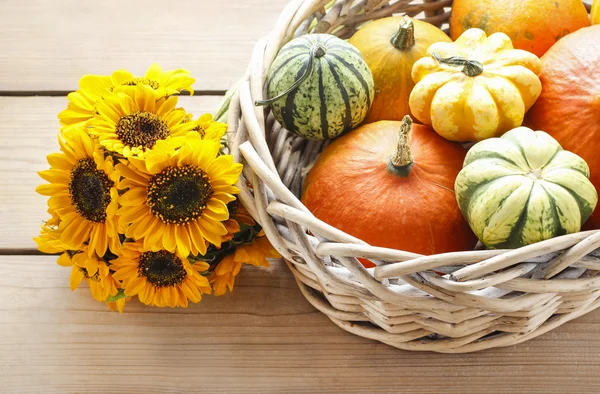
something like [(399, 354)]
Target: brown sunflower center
[(142, 81), (90, 190), (141, 129), (162, 268), (178, 195), (232, 206)]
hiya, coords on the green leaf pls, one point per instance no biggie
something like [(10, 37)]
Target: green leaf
[(117, 297), (214, 255)]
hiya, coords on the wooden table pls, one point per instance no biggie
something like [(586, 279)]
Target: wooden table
[(263, 337)]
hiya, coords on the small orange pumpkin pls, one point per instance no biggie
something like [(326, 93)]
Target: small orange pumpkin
[(532, 25), (391, 191), (391, 46)]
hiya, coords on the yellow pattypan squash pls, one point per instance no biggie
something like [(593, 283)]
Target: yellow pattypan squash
[(475, 88)]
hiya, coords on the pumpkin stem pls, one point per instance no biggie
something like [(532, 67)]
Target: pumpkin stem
[(317, 51), (402, 157), (405, 36), (472, 68)]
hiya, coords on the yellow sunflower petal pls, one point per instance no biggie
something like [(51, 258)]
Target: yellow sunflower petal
[(132, 173), (91, 266), (169, 238), (133, 197), (121, 77), (191, 291), (173, 297), (100, 244), (76, 277), (182, 299), (64, 260), (135, 286)]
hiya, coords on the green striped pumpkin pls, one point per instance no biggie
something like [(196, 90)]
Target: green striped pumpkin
[(523, 188), (319, 86)]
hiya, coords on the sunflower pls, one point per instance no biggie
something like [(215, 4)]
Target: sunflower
[(223, 277), (237, 215), (209, 129), (83, 194), (118, 305), (130, 123), (94, 270), (177, 198), (255, 253), (92, 89), (160, 278), (49, 239)]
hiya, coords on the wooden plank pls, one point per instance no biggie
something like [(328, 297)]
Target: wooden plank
[(49, 45), (263, 337), (28, 132)]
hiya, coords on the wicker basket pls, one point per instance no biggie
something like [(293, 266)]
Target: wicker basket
[(488, 298)]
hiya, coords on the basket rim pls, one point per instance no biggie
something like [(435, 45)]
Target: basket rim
[(524, 292)]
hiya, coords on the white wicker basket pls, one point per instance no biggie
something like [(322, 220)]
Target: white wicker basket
[(488, 298)]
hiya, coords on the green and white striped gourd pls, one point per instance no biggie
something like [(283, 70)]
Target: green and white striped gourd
[(523, 188), (319, 86)]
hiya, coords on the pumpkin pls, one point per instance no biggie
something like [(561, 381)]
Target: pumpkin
[(523, 188), (475, 88), (595, 13), (319, 86), (391, 46), (569, 107), (532, 25), (389, 190)]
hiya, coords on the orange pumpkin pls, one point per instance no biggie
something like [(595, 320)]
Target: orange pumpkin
[(569, 106), (391, 46), (532, 25), (391, 191)]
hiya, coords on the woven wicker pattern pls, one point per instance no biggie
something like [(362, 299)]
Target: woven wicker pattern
[(486, 299)]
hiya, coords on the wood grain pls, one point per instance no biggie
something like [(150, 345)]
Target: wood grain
[(49, 45), (28, 132), (263, 337)]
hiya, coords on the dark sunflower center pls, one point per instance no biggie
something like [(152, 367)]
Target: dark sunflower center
[(142, 81), (162, 268), (90, 190), (141, 129), (232, 207), (93, 278), (178, 195)]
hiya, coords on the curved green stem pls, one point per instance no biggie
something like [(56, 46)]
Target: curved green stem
[(316, 52), (472, 68)]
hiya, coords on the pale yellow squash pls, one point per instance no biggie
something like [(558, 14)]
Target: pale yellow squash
[(475, 88)]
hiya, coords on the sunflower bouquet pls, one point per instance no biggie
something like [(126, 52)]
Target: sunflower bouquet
[(142, 195)]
